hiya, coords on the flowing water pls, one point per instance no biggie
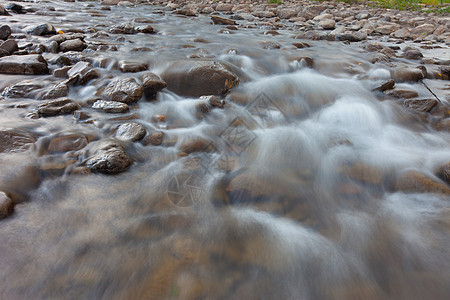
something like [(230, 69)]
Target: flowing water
[(295, 201)]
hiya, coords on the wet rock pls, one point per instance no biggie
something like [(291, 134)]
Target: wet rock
[(213, 101), (125, 90), (224, 7), (301, 45), (109, 159), (21, 89), (6, 205), (202, 107), (287, 13), (72, 45), (125, 28), (110, 106), (196, 145), (61, 72), (80, 115), (408, 74), (4, 53), (81, 73), (3, 11), (415, 182), (130, 132), (57, 91), (444, 173), (42, 29), (327, 24), (16, 8), (222, 21), (420, 105), (152, 84), (66, 143), (364, 172), (412, 54), (198, 78), (10, 46), (146, 29), (351, 36), (402, 93), (52, 47), (57, 107), (154, 138), (33, 64), (385, 86), (15, 140), (5, 32), (131, 66), (270, 45), (185, 12)]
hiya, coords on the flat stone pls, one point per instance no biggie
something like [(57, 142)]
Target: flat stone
[(351, 36), (5, 32), (401, 93), (130, 132), (65, 143), (152, 84), (388, 85), (10, 46), (123, 89), (72, 45), (408, 74), (109, 159), (81, 73), (146, 29), (416, 182), (111, 106), (57, 107), (21, 89), (132, 66), (155, 138), (125, 28), (57, 91), (15, 140), (33, 64), (3, 11), (6, 205), (327, 24), (222, 21), (422, 30), (420, 105), (61, 72)]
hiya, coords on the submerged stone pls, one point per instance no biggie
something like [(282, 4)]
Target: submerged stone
[(109, 159)]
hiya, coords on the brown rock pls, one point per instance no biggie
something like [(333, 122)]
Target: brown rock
[(132, 67), (110, 106), (222, 21), (33, 64), (385, 86), (196, 145), (6, 205), (130, 132), (109, 159), (10, 46), (72, 45), (408, 74), (57, 91), (405, 94), (125, 90), (420, 105), (57, 107), (415, 182), (70, 142), (15, 140), (5, 30), (444, 173), (198, 78), (21, 89), (155, 138), (213, 101), (152, 84), (81, 73)]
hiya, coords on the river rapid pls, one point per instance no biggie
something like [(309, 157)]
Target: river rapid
[(305, 184)]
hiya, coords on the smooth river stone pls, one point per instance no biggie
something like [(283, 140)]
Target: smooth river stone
[(126, 90), (33, 64), (110, 106), (15, 140), (110, 159), (57, 107), (6, 205), (130, 132)]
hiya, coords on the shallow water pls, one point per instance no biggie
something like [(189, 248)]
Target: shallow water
[(294, 202)]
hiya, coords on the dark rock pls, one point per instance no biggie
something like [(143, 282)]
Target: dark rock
[(21, 89), (132, 67), (388, 85), (110, 106), (152, 84), (65, 143), (196, 145), (130, 132), (198, 78), (415, 182), (202, 107), (81, 73), (444, 173), (15, 140), (42, 29), (10, 46), (57, 107), (185, 12), (351, 36), (301, 45), (52, 47), (72, 45), (33, 64), (125, 90), (57, 91), (155, 138), (6, 205), (405, 94), (222, 21), (126, 28), (146, 29), (61, 72), (3, 11), (4, 53), (412, 54), (270, 45), (16, 8), (420, 105), (80, 115), (109, 159), (5, 32)]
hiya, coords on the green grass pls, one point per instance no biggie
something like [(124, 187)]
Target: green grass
[(435, 6), (275, 1)]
